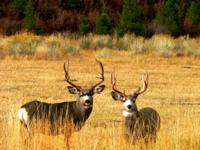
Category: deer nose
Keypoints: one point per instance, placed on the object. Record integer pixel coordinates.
(129, 106)
(87, 101)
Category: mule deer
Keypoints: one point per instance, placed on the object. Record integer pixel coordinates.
(62, 118)
(139, 124)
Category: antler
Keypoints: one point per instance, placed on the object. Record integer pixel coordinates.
(101, 74)
(145, 85)
(113, 82)
(67, 77)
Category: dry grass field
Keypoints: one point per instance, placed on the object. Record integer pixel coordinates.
(174, 91)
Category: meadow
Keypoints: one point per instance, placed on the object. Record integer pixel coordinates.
(173, 91)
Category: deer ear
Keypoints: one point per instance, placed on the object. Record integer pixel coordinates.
(73, 90)
(117, 96)
(99, 89)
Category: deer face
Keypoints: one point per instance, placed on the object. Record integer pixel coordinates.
(129, 101)
(85, 94)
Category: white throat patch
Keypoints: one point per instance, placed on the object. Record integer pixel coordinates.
(127, 114)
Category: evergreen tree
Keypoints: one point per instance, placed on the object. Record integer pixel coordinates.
(131, 18)
(194, 12)
(103, 22)
(84, 25)
(30, 20)
(72, 3)
(19, 6)
(171, 16)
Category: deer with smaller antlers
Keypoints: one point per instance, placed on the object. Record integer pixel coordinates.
(139, 124)
(65, 117)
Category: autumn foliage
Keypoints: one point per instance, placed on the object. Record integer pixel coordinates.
(46, 17)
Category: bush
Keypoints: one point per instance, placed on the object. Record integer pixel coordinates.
(85, 44)
(84, 25)
(72, 3)
(103, 23)
(30, 20)
(121, 45)
(67, 48)
(131, 19)
(194, 12)
(170, 16)
(104, 42)
(19, 6)
(104, 53)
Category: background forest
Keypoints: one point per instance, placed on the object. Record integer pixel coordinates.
(116, 17)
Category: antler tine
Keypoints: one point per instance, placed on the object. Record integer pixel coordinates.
(113, 82)
(145, 85)
(101, 73)
(67, 77)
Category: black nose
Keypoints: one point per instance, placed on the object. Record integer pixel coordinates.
(87, 101)
(129, 106)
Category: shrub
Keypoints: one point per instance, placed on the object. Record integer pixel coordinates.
(67, 48)
(85, 44)
(170, 16)
(104, 42)
(30, 20)
(72, 3)
(121, 44)
(194, 12)
(131, 18)
(19, 6)
(104, 53)
(84, 25)
(103, 23)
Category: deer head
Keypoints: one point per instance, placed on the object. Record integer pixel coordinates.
(129, 101)
(85, 94)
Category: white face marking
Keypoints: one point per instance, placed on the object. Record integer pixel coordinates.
(23, 115)
(127, 103)
(85, 97)
(127, 114)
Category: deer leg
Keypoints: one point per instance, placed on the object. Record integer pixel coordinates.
(23, 132)
(66, 140)
(153, 138)
(25, 135)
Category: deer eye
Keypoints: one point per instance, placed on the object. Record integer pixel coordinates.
(123, 99)
(134, 100)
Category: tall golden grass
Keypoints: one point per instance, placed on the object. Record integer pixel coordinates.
(30, 46)
(173, 92)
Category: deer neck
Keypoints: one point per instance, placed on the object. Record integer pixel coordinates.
(85, 112)
(130, 120)
(128, 114)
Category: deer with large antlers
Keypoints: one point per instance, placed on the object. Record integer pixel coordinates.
(140, 124)
(62, 118)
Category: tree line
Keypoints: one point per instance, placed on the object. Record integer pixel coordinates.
(141, 17)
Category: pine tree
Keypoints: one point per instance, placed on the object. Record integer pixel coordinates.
(30, 20)
(84, 25)
(72, 3)
(19, 6)
(171, 16)
(194, 12)
(103, 22)
(131, 18)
